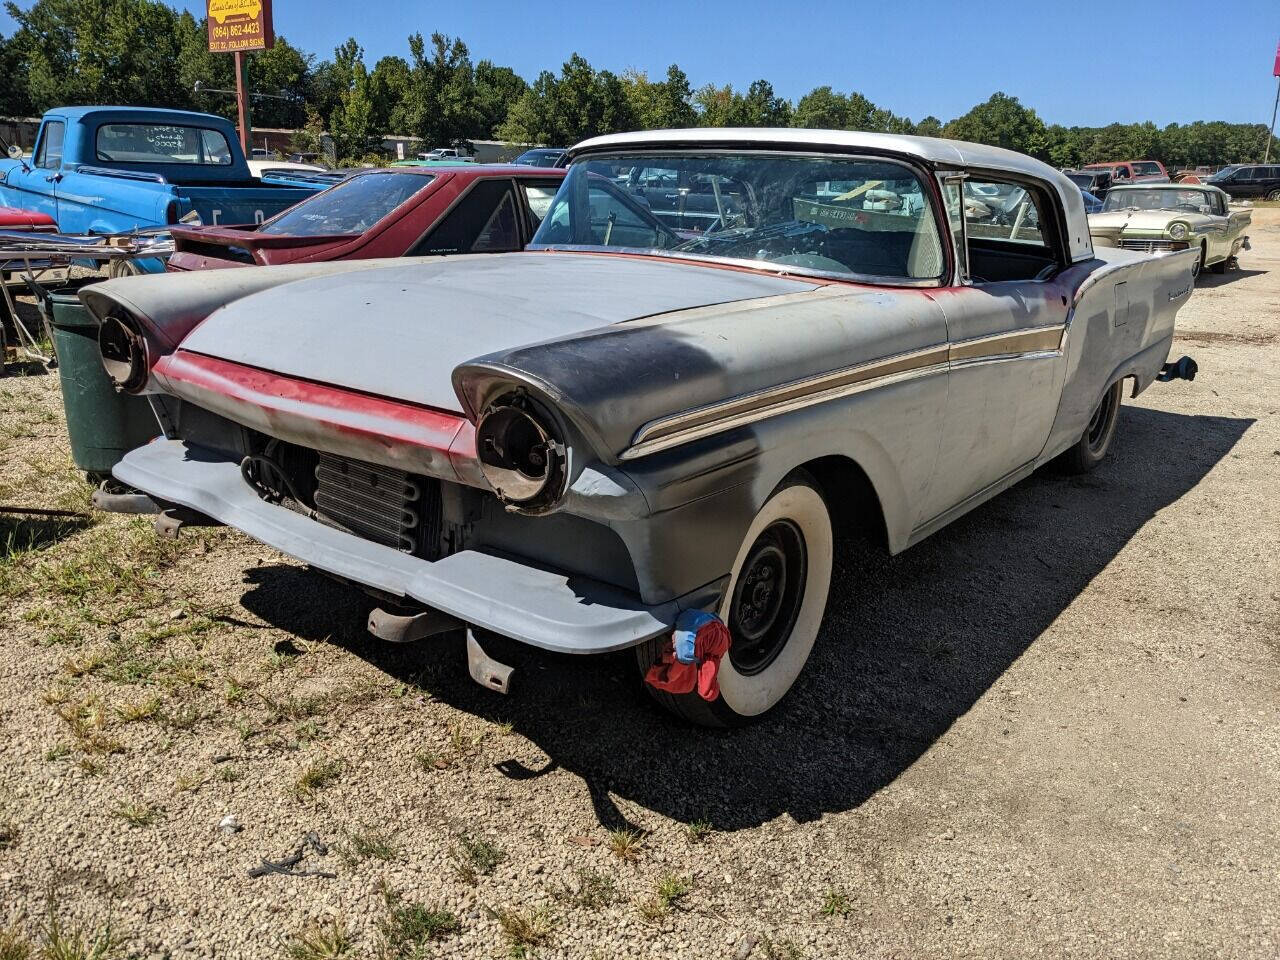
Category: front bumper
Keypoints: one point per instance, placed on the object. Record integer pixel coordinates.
(564, 613)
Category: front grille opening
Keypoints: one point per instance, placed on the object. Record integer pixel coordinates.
(381, 504)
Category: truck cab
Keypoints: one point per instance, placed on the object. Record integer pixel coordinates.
(115, 169)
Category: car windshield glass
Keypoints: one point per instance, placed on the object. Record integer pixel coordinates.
(808, 214)
(1146, 168)
(1168, 198)
(161, 143)
(1082, 180)
(352, 206)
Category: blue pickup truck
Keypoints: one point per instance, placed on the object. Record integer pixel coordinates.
(115, 169)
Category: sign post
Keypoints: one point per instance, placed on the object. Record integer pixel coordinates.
(1271, 130)
(234, 27)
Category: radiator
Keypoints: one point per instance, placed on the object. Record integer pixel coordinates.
(381, 504)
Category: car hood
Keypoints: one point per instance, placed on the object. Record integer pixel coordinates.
(398, 331)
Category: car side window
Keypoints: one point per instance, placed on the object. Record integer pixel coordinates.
(538, 196)
(483, 221)
(49, 155)
(1002, 211)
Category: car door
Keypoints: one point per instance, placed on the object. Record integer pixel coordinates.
(1005, 327)
(38, 183)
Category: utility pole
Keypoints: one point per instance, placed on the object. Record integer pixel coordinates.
(242, 103)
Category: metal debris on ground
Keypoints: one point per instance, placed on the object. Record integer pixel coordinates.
(310, 841)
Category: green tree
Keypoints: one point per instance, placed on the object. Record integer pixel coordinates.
(389, 85)
(1002, 122)
(930, 126)
(822, 109)
(497, 89)
(661, 105)
(581, 102)
(14, 101)
(351, 123)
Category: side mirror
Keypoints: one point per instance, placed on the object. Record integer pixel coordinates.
(14, 151)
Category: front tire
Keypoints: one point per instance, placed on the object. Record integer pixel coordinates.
(1274, 196)
(1199, 264)
(773, 607)
(1091, 449)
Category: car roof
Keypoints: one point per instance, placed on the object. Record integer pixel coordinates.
(932, 150)
(471, 170)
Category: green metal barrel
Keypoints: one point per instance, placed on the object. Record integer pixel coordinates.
(104, 425)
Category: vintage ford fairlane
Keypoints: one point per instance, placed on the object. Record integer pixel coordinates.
(1180, 216)
(720, 345)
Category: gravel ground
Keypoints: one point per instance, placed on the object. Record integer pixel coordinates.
(1052, 729)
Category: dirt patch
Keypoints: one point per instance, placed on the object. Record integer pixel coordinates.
(1051, 729)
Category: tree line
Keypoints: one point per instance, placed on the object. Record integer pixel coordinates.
(145, 53)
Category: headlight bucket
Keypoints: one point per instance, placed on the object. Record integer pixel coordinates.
(1178, 231)
(125, 355)
(520, 454)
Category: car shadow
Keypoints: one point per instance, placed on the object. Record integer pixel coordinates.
(909, 644)
(1208, 279)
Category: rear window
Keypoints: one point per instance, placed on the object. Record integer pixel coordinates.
(352, 206)
(161, 143)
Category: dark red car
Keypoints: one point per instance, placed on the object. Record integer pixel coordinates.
(393, 212)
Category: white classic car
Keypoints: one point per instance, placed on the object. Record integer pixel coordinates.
(720, 345)
(1155, 217)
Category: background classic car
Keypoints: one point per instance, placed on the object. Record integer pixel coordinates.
(412, 211)
(1159, 217)
(571, 445)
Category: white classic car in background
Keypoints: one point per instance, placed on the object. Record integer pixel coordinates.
(1158, 217)
(720, 345)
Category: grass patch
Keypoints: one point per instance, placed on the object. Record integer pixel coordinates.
(14, 946)
(139, 710)
(137, 815)
(319, 775)
(328, 940)
(626, 844)
(474, 857)
(523, 929)
(835, 904)
(698, 830)
(368, 844)
(670, 892)
(62, 943)
(407, 928)
(593, 890)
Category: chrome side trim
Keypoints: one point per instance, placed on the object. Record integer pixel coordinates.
(677, 429)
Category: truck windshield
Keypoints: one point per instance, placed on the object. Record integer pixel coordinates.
(352, 206)
(821, 215)
(161, 143)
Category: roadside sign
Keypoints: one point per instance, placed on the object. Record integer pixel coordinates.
(236, 25)
(1276, 71)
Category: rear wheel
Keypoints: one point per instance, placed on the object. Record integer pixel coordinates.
(1092, 447)
(1274, 196)
(122, 268)
(774, 605)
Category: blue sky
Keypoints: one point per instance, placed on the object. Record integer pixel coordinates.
(1179, 60)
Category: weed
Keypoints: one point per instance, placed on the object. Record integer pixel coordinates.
(669, 892)
(141, 710)
(698, 830)
(229, 774)
(474, 857)
(368, 844)
(835, 904)
(57, 752)
(428, 761)
(233, 691)
(320, 941)
(13, 945)
(523, 929)
(317, 776)
(594, 890)
(136, 815)
(782, 949)
(626, 844)
(189, 782)
(63, 944)
(409, 927)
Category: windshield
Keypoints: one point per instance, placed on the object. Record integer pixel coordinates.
(161, 143)
(352, 206)
(1145, 168)
(1082, 180)
(810, 214)
(1166, 198)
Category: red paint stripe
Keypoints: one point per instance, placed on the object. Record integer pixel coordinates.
(443, 435)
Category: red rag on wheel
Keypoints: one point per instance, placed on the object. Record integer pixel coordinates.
(675, 674)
